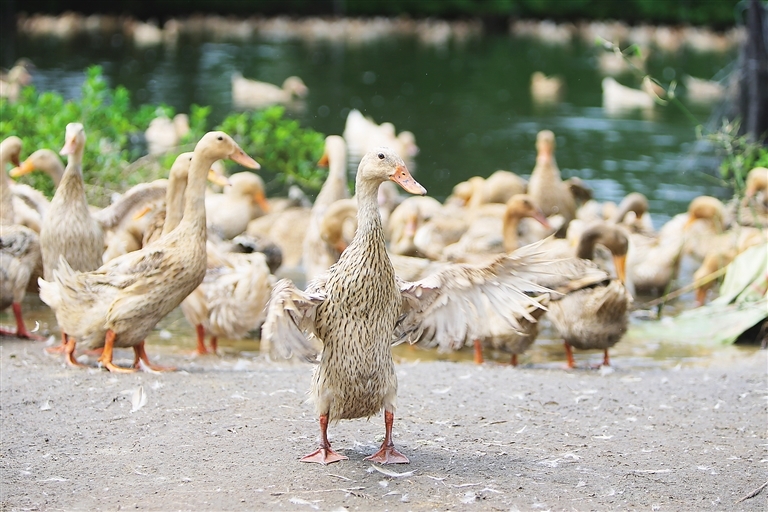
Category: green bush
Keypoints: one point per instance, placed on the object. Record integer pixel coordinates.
(285, 151)
(114, 159)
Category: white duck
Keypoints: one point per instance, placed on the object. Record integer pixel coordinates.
(248, 93)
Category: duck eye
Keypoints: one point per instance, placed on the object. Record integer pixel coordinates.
(381, 156)
(220, 137)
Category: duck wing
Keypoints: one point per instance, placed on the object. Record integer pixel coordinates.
(290, 325)
(457, 303)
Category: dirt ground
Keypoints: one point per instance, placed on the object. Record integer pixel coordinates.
(226, 433)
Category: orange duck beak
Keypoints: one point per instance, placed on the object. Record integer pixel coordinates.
(403, 178)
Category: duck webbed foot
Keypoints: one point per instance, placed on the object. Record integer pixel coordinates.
(141, 357)
(106, 355)
(21, 328)
(324, 455)
(388, 454)
(69, 352)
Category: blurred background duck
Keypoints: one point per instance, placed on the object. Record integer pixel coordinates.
(318, 255)
(249, 93)
(545, 89)
(545, 185)
(243, 200)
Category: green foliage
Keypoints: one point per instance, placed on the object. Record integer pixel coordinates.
(40, 119)
(284, 150)
(113, 159)
(740, 154)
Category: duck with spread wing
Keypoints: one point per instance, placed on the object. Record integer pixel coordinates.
(359, 308)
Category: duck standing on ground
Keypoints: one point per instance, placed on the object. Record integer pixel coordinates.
(120, 303)
(19, 245)
(594, 314)
(359, 308)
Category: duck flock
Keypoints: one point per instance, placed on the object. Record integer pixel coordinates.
(339, 280)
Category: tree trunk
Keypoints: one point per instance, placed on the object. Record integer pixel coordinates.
(754, 75)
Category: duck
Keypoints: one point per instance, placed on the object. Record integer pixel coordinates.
(248, 93)
(752, 209)
(287, 229)
(69, 230)
(405, 220)
(546, 187)
(618, 98)
(19, 246)
(317, 254)
(594, 314)
(230, 301)
(546, 89)
(119, 303)
(494, 234)
(632, 213)
(164, 134)
(362, 133)
(12, 82)
(230, 211)
(45, 160)
(702, 91)
(339, 224)
(30, 204)
(359, 307)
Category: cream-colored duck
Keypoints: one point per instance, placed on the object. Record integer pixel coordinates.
(164, 134)
(545, 185)
(405, 220)
(490, 235)
(30, 203)
(496, 188)
(632, 213)
(248, 93)
(19, 245)
(287, 229)
(359, 307)
(546, 90)
(702, 91)
(120, 303)
(12, 82)
(317, 254)
(230, 211)
(230, 301)
(752, 210)
(45, 160)
(618, 98)
(594, 315)
(69, 230)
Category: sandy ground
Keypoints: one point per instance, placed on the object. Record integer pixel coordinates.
(226, 433)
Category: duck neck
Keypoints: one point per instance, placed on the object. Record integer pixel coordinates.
(586, 248)
(71, 189)
(545, 160)
(174, 203)
(6, 196)
(368, 215)
(511, 223)
(193, 220)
